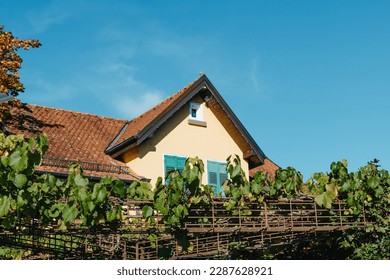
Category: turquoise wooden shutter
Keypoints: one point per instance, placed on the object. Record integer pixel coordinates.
(223, 175)
(212, 170)
(169, 164)
(216, 175)
(180, 163)
(174, 163)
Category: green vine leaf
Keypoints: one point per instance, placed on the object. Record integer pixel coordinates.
(147, 211)
(325, 199)
(18, 161)
(101, 195)
(119, 188)
(80, 181)
(69, 214)
(19, 180)
(112, 215)
(4, 206)
(373, 182)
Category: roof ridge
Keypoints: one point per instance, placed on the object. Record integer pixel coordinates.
(77, 112)
(173, 95)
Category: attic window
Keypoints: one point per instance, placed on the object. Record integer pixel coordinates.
(196, 111)
(196, 114)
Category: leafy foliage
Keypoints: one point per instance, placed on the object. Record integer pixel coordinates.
(27, 198)
(21, 192)
(174, 198)
(10, 64)
(287, 184)
(366, 190)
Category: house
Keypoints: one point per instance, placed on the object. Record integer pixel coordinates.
(195, 121)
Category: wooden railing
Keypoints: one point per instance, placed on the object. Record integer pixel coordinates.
(209, 230)
(270, 216)
(273, 216)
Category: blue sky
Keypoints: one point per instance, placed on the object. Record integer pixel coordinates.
(310, 80)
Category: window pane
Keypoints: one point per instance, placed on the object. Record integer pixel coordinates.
(196, 111)
(213, 178)
(193, 113)
(223, 178)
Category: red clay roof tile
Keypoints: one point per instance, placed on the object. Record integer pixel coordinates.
(139, 123)
(73, 136)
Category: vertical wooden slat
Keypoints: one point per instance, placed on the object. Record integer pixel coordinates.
(124, 254)
(218, 242)
(213, 213)
(239, 217)
(197, 246)
(315, 213)
(157, 248)
(340, 215)
(364, 217)
(291, 215)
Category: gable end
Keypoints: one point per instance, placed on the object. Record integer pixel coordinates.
(202, 86)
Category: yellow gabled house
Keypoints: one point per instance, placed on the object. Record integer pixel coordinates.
(196, 121)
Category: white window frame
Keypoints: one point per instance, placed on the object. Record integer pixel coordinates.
(199, 111)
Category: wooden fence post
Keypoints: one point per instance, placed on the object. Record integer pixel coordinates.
(341, 219)
(213, 214)
(291, 215)
(137, 250)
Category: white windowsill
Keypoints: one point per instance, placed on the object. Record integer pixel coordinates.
(197, 122)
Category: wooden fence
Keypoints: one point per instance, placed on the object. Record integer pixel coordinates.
(211, 232)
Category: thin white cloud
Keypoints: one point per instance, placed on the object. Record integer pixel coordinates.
(117, 61)
(56, 12)
(256, 79)
(113, 79)
(45, 91)
(112, 72)
(132, 106)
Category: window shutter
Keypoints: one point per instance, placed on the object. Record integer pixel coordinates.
(213, 179)
(212, 170)
(169, 163)
(223, 177)
(174, 163)
(180, 163)
(216, 175)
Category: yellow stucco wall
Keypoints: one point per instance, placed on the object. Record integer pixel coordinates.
(178, 137)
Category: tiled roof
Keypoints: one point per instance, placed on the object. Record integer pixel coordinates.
(73, 137)
(137, 124)
(86, 138)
